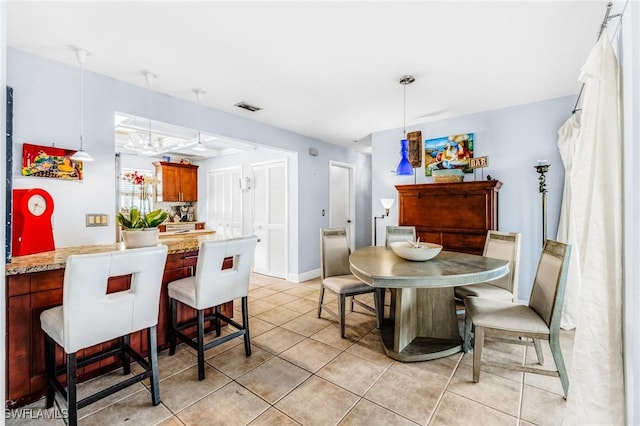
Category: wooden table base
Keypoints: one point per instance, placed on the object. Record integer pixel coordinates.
(422, 326)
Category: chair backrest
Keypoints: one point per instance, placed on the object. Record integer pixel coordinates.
(505, 246)
(400, 233)
(547, 295)
(334, 253)
(215, 285)
(92, 316)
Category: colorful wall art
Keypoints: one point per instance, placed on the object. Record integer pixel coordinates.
(448, 152)
(50, 162)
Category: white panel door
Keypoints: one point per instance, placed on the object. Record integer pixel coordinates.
(269, 188)
(224, 202)
(341, 199)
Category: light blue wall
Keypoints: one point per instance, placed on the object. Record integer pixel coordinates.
(47, 109)
(514, 139)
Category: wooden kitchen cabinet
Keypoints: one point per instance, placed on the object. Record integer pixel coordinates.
(455, 215)
(176, 182)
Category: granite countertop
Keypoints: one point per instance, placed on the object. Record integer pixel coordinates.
(185, 233)
(57, 259)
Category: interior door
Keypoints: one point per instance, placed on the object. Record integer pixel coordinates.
(224, 202)
(270, 200)
(342, 199)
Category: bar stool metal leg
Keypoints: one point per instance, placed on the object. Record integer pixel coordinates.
(200, 327)
(154, 384)
(126, 360)
(245, 323)
(50, 368)
(174, 326)
(217, 320)
(72, 397)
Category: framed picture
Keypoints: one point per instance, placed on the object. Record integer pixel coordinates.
(415, 148)
(50, 162)
(448, 152)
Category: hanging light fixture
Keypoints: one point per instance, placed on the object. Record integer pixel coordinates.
(146, 142)
(199, 94)
(81, 154)
(404, 167)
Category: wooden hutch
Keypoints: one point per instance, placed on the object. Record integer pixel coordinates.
(455, 215)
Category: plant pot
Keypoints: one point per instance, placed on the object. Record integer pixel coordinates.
(136, 238)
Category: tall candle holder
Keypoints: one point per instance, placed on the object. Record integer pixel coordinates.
(542, 167)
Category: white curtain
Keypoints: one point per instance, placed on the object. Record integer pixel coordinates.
(568, 142)
(596, 394)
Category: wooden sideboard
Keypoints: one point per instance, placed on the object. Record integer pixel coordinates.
(29, 294)
(455, 215)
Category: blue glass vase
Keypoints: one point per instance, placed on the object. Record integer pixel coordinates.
(404, 168)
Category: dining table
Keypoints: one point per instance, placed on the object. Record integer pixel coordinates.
(422, 322)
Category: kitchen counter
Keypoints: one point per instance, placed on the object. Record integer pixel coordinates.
(185, 233)
(57, 259)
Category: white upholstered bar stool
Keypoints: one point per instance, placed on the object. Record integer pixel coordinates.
(211, 287)
(89, 316)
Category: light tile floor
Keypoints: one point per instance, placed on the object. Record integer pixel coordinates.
(302, 372)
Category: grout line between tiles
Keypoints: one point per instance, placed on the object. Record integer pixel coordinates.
(444, 390)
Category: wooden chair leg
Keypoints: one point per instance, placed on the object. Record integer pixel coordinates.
(477, 352)
(554, 343)
(245, 324)
(72, 396)
(154, 381)
(341, 303)
(320, 300)
(50, 369)
(200, 328)
(539, 354)
(379, 301)
(126, 359)
(174, 326)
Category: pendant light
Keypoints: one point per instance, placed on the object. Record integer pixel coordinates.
(147, 145)
(404, 167)
(199, 94)
(81, 154)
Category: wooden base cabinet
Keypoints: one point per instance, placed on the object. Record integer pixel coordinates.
(30, 294)
(455, 215)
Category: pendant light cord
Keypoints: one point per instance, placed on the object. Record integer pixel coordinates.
(404, 111)
(81, 106)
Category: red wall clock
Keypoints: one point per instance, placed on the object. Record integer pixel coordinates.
(31, 222)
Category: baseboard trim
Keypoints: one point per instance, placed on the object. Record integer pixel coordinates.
(305, 276)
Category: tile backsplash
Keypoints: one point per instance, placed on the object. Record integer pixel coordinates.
(179, 212)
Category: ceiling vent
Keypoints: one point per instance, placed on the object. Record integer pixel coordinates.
(248, 107)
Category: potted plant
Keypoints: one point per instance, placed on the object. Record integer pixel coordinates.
(140, 230)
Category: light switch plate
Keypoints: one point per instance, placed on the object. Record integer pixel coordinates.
(97, 219)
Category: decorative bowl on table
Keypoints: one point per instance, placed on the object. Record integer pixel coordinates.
(416, 252)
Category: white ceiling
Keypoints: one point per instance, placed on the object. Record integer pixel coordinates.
(328, 70)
